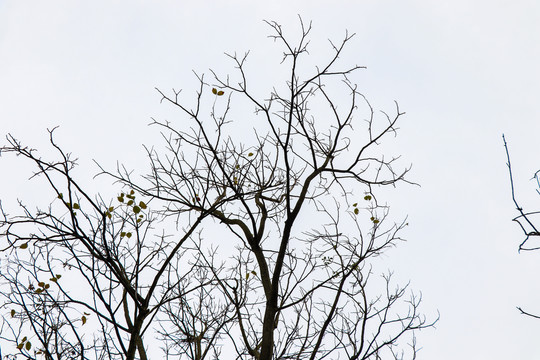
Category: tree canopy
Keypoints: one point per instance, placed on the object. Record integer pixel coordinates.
(253, 235)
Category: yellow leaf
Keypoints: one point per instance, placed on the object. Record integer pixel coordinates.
(128, 235)
(20, 346)
(250, 154)
(219, 93)
(76, 206)
(28, 345)
(12, 312)
(356, 211)
(136, 209)
(214, 91)
(41, 284)
(83, 318)
(24, 246)
(142, 205)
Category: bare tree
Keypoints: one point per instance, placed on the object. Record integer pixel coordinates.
(525, 219)
(252, 236)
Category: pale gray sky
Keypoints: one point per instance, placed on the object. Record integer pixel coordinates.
(465, 71)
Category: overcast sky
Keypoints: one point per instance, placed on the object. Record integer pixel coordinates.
(465, 71)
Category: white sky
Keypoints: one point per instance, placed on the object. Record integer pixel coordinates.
(465, 71)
